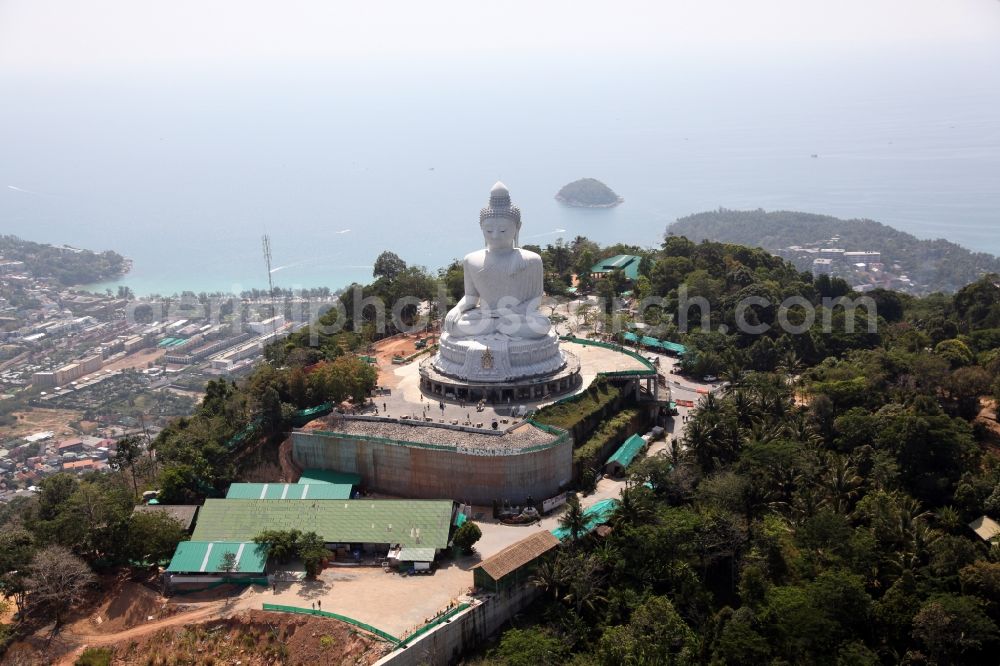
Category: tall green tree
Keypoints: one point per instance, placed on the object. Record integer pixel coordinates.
(573, 520)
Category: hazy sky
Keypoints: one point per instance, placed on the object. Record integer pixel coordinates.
(136, 120)
(97, 36)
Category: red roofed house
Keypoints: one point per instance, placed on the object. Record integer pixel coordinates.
(67, 445)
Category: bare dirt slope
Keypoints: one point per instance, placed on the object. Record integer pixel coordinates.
(248, 638)
(255, 638)
(402, 345)
(988, 420)
(139, 360)
(40, 420)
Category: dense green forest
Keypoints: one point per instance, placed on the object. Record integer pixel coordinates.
(940, 264)
(815, 512)
(68, 266)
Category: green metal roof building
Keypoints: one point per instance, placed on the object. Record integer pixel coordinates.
(628, 263)
(624, 456)
(409, 523)
(290, 491)
(206, 557)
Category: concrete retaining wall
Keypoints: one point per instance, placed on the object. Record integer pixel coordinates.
(425, 473)
(445, 643)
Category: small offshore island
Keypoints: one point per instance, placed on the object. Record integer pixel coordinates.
(588, 193)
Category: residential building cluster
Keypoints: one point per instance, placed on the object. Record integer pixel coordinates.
(25, 461)
(109, 363)
(864, 270)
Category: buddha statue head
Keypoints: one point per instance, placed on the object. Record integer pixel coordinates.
(500, 221)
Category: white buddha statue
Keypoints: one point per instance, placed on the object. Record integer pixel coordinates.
(503, 283)
(495, 333)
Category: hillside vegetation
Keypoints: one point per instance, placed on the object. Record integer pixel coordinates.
(940, 264)
(809, 516)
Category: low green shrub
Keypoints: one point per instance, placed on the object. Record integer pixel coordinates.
(610, 433)
(99, 656)
(569, 413)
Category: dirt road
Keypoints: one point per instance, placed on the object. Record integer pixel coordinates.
(78, 642)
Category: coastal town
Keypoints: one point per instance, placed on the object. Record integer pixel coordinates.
(80, 369)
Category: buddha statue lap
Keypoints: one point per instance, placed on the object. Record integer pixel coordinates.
(495, 331)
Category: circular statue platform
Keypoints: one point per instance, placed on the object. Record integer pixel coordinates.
(536, 388)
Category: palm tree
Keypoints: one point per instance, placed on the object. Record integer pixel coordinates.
(583, 584)
(798, 428)
(675, 452)
(949, 519)
(606, 554)
(574, 521)
(709, 405)
(762, 432)
(789, 364)
(548, 576)
(698, 440)
(841, 483)
(743, 405)
(772, 402)
(907, 514)
(633, 507)
(732, 371)
(806, 503)
(915, 550)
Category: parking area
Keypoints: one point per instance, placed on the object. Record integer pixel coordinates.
(391, 602)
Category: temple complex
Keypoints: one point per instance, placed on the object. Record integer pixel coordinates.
(495, 344)
(459, 424)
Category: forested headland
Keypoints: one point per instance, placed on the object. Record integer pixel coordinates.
(67, 266)
(939, 264)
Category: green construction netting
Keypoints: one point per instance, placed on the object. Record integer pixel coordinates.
(596, 515)
(306, 415)
(443, 617)
(656, 343)
(627, 452)
(342, 618)
(651, 342)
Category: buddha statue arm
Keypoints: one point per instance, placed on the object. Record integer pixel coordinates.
(469, 301)
(536, 285)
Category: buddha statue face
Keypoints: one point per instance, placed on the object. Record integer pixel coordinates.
(500, 233)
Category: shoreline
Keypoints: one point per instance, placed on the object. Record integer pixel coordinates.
(561, 199)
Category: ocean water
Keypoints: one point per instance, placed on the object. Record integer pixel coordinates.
(184, 173)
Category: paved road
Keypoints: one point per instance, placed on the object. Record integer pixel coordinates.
(497, 536)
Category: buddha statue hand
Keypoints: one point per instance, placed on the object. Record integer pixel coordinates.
(513, 319)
